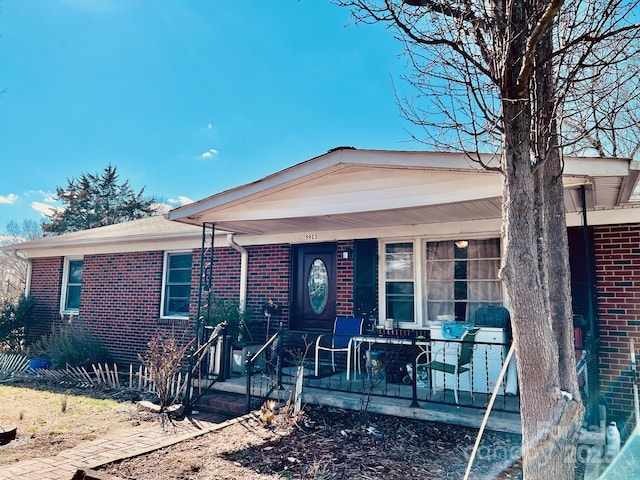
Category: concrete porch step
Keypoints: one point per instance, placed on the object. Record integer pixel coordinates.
(223, 403)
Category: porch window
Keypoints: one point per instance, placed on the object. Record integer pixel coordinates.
(461, 276)
(71, 284)
(177, 285)
(399, 282)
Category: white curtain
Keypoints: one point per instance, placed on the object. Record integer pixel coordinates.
(479, 269)
(483, 285)
(439, 282)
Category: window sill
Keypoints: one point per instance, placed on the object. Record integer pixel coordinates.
(173, 320)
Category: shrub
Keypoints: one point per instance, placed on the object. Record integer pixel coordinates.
(227, 310)
(163, 359)
(15, 316)
(72, 346)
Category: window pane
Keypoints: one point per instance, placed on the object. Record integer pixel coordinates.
(179, 260)
(177, 284)
(400, 288)
(318, 286)
(180, 276)
(400, 309)
(73, 298)
(399, 261)
(75, 271)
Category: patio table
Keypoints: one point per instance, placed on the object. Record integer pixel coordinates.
(356, 342)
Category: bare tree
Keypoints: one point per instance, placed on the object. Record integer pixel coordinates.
(499, 76)
(605, 121)
(13, 267)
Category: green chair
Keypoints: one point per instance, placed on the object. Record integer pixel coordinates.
(463, 365)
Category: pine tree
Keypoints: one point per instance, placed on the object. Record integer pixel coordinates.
(96, 200)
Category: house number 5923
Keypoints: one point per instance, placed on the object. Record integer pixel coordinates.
(310, 236)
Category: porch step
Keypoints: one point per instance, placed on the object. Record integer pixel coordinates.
(223, 403)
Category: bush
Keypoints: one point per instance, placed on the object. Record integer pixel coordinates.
(227, 310)
(72, 346)
(163, 359)
(14, 318)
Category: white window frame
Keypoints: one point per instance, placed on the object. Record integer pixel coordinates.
(468, 281)
(65, 285)
(165, 273)
(382, 281)
(419, 274)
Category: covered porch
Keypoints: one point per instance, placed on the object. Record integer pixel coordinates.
(281, 370)
(399, 208)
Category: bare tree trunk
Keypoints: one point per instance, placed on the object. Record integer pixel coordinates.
(536, 275)
(536, 351)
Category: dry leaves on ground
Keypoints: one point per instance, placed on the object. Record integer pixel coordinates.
(327, 444)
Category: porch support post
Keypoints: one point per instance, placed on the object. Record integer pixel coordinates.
(280, 351)
(205, 280)
(593, 340)
(414, 363)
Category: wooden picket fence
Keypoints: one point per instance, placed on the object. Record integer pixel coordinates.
(13, 363)
(99, 375)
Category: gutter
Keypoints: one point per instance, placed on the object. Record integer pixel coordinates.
(244, 269)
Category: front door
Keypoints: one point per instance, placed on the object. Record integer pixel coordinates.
(314, 286)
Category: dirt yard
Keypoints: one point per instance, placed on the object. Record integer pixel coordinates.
(328, 444)
(50, 421)
(320, 444)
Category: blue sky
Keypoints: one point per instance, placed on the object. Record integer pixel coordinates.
(186, 98)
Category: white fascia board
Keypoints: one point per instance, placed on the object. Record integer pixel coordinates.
(299, 208)
(442, 231)
(149, 244)
(616, 216)
(596, 166)
(630, 190)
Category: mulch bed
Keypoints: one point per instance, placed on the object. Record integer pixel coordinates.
(327, 443)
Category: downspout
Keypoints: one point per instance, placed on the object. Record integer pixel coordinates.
(27, 280)
(593, 342)
(244, 270)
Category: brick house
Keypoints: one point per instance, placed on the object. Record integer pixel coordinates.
(377, 233)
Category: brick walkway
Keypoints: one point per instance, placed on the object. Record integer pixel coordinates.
(127, 443)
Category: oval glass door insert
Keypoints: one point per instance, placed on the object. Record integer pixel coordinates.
(318, 285)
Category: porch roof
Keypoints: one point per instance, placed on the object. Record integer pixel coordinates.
(349, 189)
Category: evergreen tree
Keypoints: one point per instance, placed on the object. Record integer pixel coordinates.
(96, 200)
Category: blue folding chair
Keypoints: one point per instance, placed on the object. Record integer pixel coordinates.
(344, 328)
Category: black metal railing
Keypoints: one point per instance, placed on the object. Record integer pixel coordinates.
(195, 371)
(384, 367)
(266, 364)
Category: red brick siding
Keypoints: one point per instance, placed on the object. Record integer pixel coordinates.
(344, 280)
(46, 287)
(269, 267)
(120, 300)
(121, 293)
(617, 251)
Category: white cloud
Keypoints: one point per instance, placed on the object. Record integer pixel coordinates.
(181, 200)
(8, 199)
(209, 153)
(48, 197)
(165, 206)
(184, 200)
(43, 208)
